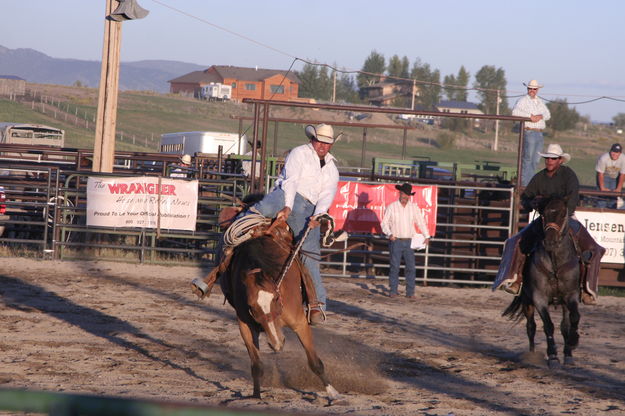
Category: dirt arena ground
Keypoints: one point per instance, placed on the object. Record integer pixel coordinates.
(137, 332)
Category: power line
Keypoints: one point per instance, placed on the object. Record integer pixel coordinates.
(384, 76)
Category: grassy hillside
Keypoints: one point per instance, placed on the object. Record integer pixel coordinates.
(143, 117)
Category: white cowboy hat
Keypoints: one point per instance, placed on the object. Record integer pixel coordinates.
(554, 150)
(186, 159)
(322, 132)
(533, 84)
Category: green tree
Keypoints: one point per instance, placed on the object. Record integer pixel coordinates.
(619, 120)
(463, 80)
(346, 88)
(456, 86)
(308, 80)
(449, 82)
(374, 64)
(428, 83)
(398, 67)
(323, 90)
(490, 79)
(562, 116)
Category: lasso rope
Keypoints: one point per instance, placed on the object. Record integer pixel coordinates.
(241, 229)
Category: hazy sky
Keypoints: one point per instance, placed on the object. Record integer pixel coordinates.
(573, 47)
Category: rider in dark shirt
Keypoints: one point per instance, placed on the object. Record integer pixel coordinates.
(559, 181)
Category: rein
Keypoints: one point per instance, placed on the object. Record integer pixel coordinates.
(289, 261)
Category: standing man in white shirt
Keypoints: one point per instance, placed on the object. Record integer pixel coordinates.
(534, 108)
(304, 190)
(398, 224)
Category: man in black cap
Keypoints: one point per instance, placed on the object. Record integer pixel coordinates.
(610, 170)
(399, 221)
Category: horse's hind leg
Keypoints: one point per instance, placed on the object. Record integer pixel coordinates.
(304, 333)
(569, 329)
(250, 338)
(530, 325)
(552, 352)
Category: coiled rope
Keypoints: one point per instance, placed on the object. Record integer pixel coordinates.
(241, 229)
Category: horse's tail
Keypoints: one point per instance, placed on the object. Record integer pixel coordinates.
(514, 311)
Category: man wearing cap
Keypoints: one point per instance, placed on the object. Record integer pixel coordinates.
(532, 107)
(610, 170)
(558, 181)
(399, 221)
(304, 190)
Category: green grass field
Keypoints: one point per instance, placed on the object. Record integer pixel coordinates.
(143, 117)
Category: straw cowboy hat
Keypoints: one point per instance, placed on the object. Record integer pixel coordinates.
(186, 159)
(554, 150)
(533, 84)
(322, 132)
(405, 188)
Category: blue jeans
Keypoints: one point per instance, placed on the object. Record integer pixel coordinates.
(298, 221)
(608, 201)
(401, 248)
(533, 142)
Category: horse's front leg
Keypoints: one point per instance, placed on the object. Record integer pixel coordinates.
(530, 325)
(552, 352)
(304, 333)
(569, 328)
(250, 338)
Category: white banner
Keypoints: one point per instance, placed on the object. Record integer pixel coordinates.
(608, 229)
(142, 202)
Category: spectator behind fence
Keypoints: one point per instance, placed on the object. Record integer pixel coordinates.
(610, 170)
(182, 169)
(532, 107)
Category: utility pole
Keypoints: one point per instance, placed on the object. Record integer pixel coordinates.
(414, 90)
(497, 123)
(106, 119)
(334, 88)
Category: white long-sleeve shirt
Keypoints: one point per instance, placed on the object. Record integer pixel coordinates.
(399, 220)
(304, 175)
(527, 106)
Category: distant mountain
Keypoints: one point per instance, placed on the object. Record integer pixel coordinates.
(37, 67)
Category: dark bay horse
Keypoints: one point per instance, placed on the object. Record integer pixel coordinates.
(551, 277)
(265, 303)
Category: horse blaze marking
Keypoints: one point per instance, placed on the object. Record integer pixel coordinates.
(264, 300)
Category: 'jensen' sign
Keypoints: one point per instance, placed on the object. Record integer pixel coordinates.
(608, 229)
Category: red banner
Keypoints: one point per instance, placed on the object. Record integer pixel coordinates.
(360, 207)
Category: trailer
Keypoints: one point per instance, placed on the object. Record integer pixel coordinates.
(192, 142)
(215, 91)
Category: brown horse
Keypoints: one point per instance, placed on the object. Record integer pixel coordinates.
(266, 299)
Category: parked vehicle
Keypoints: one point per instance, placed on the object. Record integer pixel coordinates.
(3, 209)
(192, 142)
(216, 91)
(38, 134)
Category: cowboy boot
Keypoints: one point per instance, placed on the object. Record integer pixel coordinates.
(202, 287)
(314, 308)
(591, 257)
(510, 274)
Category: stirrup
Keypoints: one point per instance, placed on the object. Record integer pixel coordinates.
(199, 287)
(315, 307)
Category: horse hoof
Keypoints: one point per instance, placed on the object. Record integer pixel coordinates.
(554, 363)
(569, 361)
(199, 288)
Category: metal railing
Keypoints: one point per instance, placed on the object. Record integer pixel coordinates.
(465, 249)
